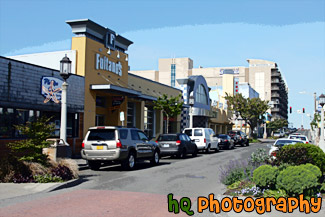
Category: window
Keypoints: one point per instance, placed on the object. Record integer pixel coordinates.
(198, 132)
(100, 120)
(134, 135)
(100, 101)
(173, 75)
(142, 136)
(167, 138)
(131, 115)
(188, 132)
(201, 96)
(104, 134)
(149, 121)
(123, 134)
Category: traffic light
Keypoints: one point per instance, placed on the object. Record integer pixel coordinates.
(290, 109)
(236, 84)
(303, 110)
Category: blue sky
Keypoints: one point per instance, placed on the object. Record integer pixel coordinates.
(212, 33)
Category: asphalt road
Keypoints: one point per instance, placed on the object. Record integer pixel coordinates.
(142, 192)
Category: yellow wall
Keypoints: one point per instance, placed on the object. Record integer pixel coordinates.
(86, 66)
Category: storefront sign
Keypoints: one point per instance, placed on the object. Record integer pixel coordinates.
(104, 64)
(51, 89)
(110, 40)
(117, 100)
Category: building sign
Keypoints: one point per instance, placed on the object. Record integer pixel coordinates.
(51, 89)
(117, 100)
(103, 63)
(229, 71)
(110, 40)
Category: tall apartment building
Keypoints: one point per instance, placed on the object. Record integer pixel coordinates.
(261, 75)
(266, 78)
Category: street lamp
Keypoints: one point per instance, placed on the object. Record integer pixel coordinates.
(322, 103)
(191, 102)
(65, 72)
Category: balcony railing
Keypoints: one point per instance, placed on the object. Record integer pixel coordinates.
(275, 81)
(275, 74)
(275, 88)
(275, 95)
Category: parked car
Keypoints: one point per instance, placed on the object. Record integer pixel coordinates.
(119, 145)
(204, 138)
(303, 138)
(178, 144)
(239, 137)
(225, 142)
(278, 144)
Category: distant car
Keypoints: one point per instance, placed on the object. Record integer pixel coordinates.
(178, 144)
(204, 138)
(106, 144)
(239, 137)
(303, 138)
(278, 144)
(225, 142)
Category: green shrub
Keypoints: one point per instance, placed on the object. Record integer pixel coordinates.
(31, 148)
(301, 154)
(275, 193)
(259, 157)
(235, 171)
(47, 178)
(312, 168)
(297, 180)
(265, 176)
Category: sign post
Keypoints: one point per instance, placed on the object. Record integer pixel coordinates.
(122, 117)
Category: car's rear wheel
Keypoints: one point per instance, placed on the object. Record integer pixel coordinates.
(156, 157)
(94, 165)
(182, 154)
(195, 152)
(208, 149)
(129, 163)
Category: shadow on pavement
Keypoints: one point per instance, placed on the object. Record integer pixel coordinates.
(82, 179)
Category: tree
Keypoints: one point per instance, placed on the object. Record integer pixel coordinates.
(171, 107)
(278, 123)
(250, 110)
(37, 132)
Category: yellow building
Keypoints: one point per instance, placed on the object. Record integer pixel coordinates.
(112, 96)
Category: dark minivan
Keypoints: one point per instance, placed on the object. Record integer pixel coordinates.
(178, 144)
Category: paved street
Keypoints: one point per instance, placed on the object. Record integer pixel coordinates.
(143, 192)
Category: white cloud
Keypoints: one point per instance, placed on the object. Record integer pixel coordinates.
(47, 47)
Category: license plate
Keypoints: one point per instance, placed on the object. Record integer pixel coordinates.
(166, 145)
(197, 140)
(100, 147)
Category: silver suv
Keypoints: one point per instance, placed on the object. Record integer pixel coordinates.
(119, 145)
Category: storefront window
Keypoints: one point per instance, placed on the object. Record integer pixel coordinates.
(149, 121)
(100, 101)
(131, 115)
(7, 122)
(201, 96)
(100, 120)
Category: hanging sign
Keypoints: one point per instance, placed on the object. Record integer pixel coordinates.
(51, 89)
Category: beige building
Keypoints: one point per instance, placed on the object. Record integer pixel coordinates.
(261, 75)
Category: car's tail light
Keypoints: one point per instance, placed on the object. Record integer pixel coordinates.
(226, 140)
(118, 144)
(273, 154)
(178, 142)
(156, 141)
(306, 142)
(100, 127)
(205, 140)
(83, 145)
(240, 137)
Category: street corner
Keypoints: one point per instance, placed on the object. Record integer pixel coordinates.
(94, 203)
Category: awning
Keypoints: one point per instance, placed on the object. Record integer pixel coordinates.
(110, 88)
(114, 89)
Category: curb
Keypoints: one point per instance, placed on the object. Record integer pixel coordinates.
(63, 185)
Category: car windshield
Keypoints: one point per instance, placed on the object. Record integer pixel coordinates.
(102, 134)
(281, 143)
(223, 136)
(167, 138)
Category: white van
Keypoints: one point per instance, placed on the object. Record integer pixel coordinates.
(204, 138)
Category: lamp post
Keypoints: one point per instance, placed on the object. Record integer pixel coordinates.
(65, 72)
(321, 141)
(191, 102)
